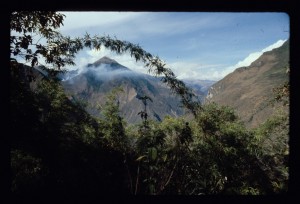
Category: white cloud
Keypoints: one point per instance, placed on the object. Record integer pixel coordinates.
(248, 60)
(90, 56)
(190, 70)
(254, 56)
(273, 46)
(185, 70)
(182, 69)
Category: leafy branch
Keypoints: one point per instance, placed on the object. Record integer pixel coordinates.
(60, 50)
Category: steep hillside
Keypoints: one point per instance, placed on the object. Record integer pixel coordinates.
(200, 87)
(99, 78)
(249, 89)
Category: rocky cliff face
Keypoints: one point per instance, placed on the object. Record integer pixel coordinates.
(249, 89)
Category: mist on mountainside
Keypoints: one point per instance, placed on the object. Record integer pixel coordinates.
(94, 81)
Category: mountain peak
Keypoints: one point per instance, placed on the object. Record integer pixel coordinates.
(105, 60)
(109, 63)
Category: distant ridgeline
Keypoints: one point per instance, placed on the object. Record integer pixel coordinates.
(96, 80)
(249, 90)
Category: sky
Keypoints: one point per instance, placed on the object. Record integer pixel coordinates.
(195, 45)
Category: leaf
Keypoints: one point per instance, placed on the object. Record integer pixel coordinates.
(153, 153)
(140, 158)
(151, 188)
(165, 157)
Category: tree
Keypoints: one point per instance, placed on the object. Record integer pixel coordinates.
(212, 116)
(113, 128)
(57, 51)
(25, 26)
(143, 113)
(282, 92)
(273, 137)
(213, 153)
(186, 135)
(60, 50)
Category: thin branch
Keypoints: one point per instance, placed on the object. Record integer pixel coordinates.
(128, 174)
(169, 178)
(137, 179)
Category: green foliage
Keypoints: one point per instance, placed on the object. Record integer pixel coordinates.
(43, 24)
(28, 171)
(55, 145)
(274, 142)
(60, 50)
(170, 157)
(222, 159)
(172, 127)
(113, 123)
(58, 146)
(212, 116)
(282, 93)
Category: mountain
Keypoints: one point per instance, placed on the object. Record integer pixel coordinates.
(199, 86)
(96, 80)
(113, 65)
(249, 89)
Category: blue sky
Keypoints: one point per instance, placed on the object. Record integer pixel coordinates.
(198, 45)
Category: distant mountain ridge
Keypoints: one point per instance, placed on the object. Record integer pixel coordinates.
(249, 89)
(199, 86)
(100, 77)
